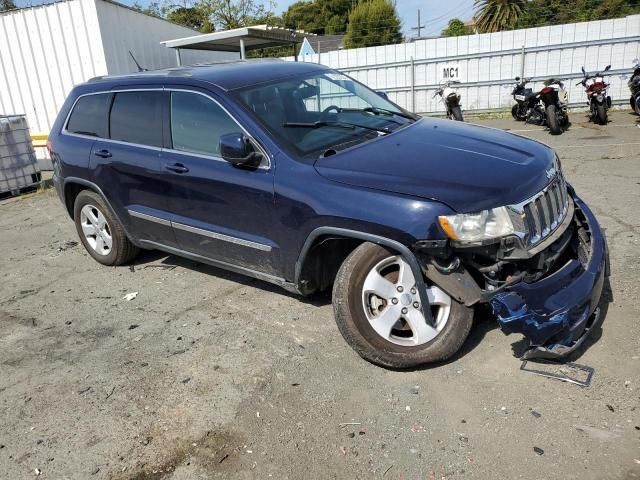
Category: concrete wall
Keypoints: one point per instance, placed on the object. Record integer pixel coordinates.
(487, 63)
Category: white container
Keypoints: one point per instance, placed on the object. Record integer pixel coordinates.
(17, 158)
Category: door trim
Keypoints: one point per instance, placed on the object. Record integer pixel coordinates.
(201, 231)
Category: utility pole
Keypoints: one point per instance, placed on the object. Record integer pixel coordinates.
(419, 27)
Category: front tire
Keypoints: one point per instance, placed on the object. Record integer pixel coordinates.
(515, 113)
(552, 120)
(377, 312)
(100, 231)
(601, 114)
(456, 113)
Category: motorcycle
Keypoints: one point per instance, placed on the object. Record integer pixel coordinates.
(634, 86)
(451, 99)
(555, 100)
(527, 108)
(597, 98)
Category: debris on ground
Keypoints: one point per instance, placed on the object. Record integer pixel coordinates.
(610, 407)
(536, 414)
(130, 296)
(538, 450)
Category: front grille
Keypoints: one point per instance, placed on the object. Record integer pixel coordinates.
(544, 212)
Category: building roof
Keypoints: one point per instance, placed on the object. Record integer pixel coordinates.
(257, 36)
(228, 75)
(325, 43)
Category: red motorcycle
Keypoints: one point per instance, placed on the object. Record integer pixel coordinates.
(597, 98)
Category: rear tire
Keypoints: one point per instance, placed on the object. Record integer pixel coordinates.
(397, 350)
(456, 113)
(100, 231)
(601, 114)
(552, 120)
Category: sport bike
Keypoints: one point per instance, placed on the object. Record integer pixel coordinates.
(597, 98)
(555, 100)
(634, 86)
(527, 108)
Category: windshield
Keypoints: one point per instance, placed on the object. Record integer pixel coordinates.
(321, 113)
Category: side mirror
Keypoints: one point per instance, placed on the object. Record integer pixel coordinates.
(517, 79)
(608, 67)
(583, 71)
(383, 94)
(237, 149)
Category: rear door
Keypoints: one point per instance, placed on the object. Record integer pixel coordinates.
(127, 164)
(221, 212)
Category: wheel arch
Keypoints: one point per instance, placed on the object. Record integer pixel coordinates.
(72, 188)
(321, 234)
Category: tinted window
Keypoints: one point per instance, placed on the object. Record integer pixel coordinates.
(136, 117)
(197, 123)
(89, 116)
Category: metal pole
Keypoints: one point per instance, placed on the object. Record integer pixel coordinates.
(178, 57)
(413, 85)
(318, 50)
(522, 63)
(242, 52)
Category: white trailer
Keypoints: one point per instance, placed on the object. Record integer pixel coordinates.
(45, 50)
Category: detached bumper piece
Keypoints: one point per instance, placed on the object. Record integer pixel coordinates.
(557, 313)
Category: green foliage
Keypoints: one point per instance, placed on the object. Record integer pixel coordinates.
(229, 14)
(496, 15)
(555, 12)
(456, 28)
(153, 9)
(319, 16)
(7, 5)
(373, 22)
(192, 17)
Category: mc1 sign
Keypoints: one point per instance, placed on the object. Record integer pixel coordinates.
(451, 72)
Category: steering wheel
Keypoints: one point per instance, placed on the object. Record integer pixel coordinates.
(325, 112)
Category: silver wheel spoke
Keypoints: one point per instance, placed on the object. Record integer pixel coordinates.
(437, 296)
(376, 283)
(384, 322)
(108, 240)
(99, 244)
(405, 276)
(89, 230)
(422, 332)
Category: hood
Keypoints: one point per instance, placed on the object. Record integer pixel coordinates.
(467, 167)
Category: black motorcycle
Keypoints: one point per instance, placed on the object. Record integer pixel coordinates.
(527, 108)
(634, 86)
(555, 100)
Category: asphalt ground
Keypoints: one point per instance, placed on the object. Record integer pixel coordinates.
(207, 374)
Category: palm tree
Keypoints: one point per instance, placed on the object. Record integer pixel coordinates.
(496, 15)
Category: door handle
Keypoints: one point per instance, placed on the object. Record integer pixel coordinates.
(102, 153)
(177, 168)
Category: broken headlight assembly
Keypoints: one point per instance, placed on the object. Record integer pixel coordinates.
(478, 228)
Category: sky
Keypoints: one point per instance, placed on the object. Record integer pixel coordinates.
(434, 14)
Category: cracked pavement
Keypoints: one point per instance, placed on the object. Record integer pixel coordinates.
(207, 374)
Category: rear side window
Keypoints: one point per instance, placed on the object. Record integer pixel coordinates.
(136, 117)
(197, 123)
(89, 116)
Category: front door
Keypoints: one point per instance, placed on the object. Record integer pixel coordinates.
(219, 211)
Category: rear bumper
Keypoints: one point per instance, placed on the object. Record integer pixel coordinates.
(556, 313)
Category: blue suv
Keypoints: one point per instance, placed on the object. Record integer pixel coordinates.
(298, 175)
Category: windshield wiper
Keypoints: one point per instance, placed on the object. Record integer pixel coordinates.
(379, 111)
(328, 123)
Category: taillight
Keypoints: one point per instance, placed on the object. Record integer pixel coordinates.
(546, 90)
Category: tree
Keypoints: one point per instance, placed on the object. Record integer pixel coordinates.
(456, 28)
(373, 22)
(193, 17)
(555, 12)
(153, 9)
(7, 5)
(229, 14)
(497, 15)
(319, 16)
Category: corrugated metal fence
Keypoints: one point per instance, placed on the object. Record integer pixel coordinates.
(486, 64)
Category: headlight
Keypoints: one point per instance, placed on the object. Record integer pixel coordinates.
(477, 227)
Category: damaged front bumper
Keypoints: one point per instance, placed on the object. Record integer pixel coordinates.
(552, 291)
(556, 313)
